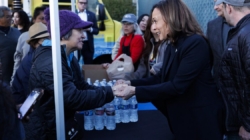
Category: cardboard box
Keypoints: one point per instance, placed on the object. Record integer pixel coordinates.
(95, 72)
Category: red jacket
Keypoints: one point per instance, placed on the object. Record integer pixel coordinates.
(136, 46)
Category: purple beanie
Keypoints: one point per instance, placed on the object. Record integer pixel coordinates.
(68, 21)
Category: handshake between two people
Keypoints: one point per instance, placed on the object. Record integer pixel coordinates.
(123, 89)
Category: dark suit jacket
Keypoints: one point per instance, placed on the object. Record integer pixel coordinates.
(92, 18)
(186, 86)
(215, 39)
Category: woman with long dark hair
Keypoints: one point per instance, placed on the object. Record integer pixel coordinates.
(22, 47)
(184, 86)
(21, 21)
(154, 51)
(152, 55)
(142, 22)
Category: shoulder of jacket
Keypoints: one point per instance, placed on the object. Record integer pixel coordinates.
(138, 37)
(24, 36)
(14, 29)
(192, 37)
(215, 21)
(89, 12)
(191, 40)
(43, 52)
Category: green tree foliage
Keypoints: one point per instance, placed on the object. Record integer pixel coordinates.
(118, 8)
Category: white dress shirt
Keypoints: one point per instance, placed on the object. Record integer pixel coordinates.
(83, 15)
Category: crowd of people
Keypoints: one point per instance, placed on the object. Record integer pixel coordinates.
(198, 82)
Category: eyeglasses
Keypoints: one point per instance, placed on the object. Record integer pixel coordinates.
(83, 3)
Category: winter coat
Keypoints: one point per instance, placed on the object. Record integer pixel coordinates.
(77, 94)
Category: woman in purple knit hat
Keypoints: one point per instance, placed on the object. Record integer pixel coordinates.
(78, 94)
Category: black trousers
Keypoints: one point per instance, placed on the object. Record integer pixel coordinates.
(87, 53)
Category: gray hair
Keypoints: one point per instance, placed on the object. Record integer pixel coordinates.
(68, 35)
(137, 30)
(2, 9)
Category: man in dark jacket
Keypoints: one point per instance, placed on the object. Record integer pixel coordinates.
(234, 70)
(8, 41)
(217, 31)
(87, 51)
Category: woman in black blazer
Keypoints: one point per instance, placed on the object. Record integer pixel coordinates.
(184, 85)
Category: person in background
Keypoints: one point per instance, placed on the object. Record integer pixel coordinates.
(23, 47)
(11, 128)
(152, 55)
(131, 44)
(184, 85)
(142, 22)
(38, 15)
(234, 70)
(88, 49)
(154, 50)
(38, 32)
(21, 21)
(77, 93)
(217, 32)
(8, 42)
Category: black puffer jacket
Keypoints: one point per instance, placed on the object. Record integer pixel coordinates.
(234, 76)
(77, 94)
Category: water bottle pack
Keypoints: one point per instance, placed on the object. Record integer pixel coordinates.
(117, 111)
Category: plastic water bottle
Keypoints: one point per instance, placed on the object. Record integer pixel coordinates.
(117, 106)
(99, 122)
(102, 84)
(104, 81)
(125, 111)
(110, 116)
(104, 115)
(133, 109)
(89, 120)
(110, 83)
(97, 83)
(114, 81)
(89, 81)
